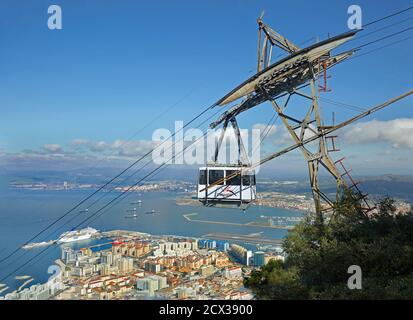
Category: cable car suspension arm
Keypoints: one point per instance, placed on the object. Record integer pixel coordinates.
(318, 135)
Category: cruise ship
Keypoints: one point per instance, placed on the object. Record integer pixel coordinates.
(77, 235)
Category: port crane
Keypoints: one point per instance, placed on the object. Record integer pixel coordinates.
(285, 79)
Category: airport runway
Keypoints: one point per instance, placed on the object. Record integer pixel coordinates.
(248, 224)
(241, 237)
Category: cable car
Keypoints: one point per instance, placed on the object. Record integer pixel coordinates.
(231, 185)
(228, 184)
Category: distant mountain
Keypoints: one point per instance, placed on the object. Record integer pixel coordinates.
(392, 185)
(389, 177)
(387, 184)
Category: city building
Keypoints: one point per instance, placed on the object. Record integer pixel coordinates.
(162, 281)
(207, 244)
(115, 259)
(152, 266)
(125, 265)
(131, 248)
(34, 292)
(172, 268)
(206, 270)
(222, 245)
(68, 255)
(148, 284)
(259, 259)
(241, 254)
(233, 272)
(221, 261)
(273, 257)
(107, 257)
(181, 293)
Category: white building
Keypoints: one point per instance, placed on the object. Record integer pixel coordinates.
(147, 284)
(233, 272)
(125, 265)
(107, 257)
(162, 283)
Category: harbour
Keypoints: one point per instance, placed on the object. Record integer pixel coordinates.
(168, 220)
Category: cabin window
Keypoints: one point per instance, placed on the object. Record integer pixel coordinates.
(246, 180)
(235, 180)
(202, 177)
(216, 177)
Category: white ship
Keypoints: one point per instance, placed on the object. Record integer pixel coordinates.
(77, 235)
(38, 244)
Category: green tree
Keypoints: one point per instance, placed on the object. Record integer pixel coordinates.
(274, 280)
(318, 256)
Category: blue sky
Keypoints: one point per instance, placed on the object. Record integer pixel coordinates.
(115, 65)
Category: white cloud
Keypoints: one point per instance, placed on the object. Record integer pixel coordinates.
(79, 142)
(92, 146)
(52, 148)
(265, 129)
(119, 148)
(79, 152)
(398, 132)
(280, 134)
(133, 148)
(98, 146)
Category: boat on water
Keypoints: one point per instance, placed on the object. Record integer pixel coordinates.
(151, 212)
(132, 216)
(3, 289)
(25, 284)
(38, 244)
(22, 277)
(77, 235)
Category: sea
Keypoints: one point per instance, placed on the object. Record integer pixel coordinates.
(24, 213)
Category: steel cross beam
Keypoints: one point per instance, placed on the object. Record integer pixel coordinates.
(326, 160)
(242, 153)
(271, 39)
(314, 159)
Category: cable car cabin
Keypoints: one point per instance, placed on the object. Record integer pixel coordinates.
(220, 185)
